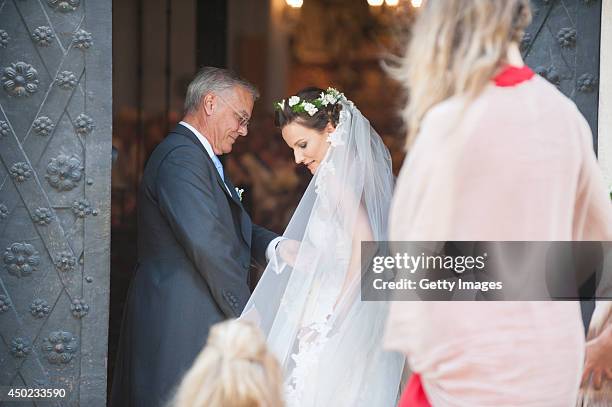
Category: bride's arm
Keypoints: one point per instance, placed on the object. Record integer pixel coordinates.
(361, 232)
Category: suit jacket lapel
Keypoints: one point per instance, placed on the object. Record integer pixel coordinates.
(245, 221)
(189, 134)
(232, 191)
(227, 189)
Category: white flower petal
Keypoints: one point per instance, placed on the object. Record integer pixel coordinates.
(293, 100)
(310, 108)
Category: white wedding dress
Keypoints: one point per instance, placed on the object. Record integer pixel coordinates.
(329, 341)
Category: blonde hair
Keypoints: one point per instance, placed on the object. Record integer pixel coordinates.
(455, 49)
(234, 369)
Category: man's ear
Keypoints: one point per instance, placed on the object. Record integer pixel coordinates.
(208, 103)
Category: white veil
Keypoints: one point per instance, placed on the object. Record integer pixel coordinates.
(327, 340)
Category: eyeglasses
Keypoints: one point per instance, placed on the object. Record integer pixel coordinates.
(243, 120)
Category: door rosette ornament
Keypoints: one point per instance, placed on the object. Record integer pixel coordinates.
(20, 347)
(21, 259)
(79, 308)
(587, 83)
(43, 126)
(4, 129)
(65, 6)
(5, 303)
(4, 39)
(39, 308)
(65, 262)
(64, 172)
(20, 171)
(43, 36)
(81, 208)
(20, 79)
(82, 39)
(66, 80)
(60, 347)
(42, 216)
(83, 124)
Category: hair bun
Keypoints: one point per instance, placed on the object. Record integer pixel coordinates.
(334, 113)
(238, 342)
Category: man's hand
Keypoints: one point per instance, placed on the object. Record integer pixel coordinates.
(598, 360)
(288, 249)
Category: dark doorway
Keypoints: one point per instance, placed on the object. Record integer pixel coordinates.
(157, 48)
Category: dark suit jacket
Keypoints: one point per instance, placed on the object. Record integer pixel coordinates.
(195, 243)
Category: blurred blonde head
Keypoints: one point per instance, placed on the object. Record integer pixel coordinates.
(234, 369)
(455, 49)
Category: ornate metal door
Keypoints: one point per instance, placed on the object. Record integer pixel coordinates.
(562, 45)
(55, 151)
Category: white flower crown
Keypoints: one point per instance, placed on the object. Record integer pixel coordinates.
(330, 97)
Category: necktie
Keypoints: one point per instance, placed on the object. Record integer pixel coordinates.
(219, 168)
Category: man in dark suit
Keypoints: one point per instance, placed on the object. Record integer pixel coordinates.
(195, 243)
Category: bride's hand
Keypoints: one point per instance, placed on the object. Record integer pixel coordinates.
(312, 331)
(288, 249)
(307, 334)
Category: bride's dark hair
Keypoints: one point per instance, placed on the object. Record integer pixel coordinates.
(318, 121)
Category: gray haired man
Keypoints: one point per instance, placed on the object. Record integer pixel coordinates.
(195, 243)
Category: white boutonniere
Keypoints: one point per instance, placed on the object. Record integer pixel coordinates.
(239, 191)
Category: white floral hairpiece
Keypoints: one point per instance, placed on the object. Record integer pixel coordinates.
(298, 105)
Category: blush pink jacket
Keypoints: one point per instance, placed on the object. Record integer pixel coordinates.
(516, 164)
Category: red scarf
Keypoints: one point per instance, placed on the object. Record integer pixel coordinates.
(414, 395)
(513, 75)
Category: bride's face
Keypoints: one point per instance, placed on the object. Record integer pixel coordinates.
(309, 145)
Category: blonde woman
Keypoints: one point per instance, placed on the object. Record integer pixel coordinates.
(234, 369)
(495, 153)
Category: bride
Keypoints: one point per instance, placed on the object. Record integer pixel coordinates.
(326, 338)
